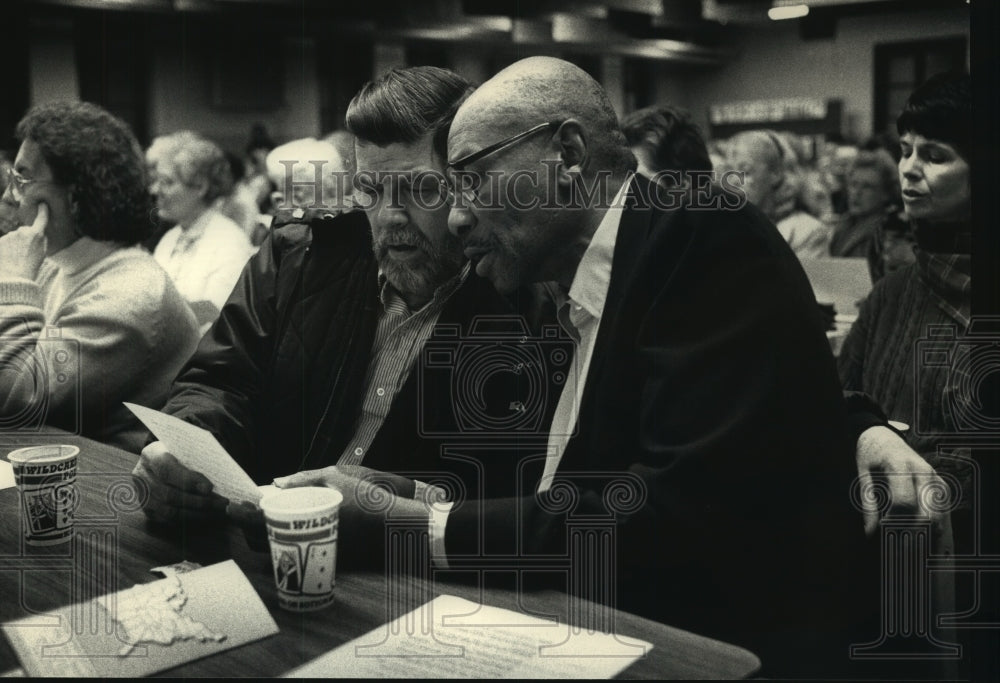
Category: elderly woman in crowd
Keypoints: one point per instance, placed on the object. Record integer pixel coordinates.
(205, 252)
(880, 354)
(772, 181)
(87, 317)
(872, 195)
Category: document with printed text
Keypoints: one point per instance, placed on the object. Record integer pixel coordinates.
(451, 637)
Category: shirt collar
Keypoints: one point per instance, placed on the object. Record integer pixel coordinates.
(80, 255)
(193, 232)
(593, 275)
(391, 299)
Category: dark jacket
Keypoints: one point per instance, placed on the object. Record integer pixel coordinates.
(713, 434)
(279, 378)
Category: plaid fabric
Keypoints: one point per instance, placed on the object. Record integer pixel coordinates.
(948, 276)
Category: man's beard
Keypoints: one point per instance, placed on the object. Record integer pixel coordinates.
(427, 270)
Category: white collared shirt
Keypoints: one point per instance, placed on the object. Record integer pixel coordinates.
(586, 299)
(205, 261)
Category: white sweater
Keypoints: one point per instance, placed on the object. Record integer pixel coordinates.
(101, 324)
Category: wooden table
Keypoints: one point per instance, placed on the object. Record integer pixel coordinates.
(116, 547)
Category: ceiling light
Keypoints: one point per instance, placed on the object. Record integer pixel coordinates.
(788, 12)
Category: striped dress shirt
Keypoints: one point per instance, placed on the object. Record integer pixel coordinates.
(399, 338)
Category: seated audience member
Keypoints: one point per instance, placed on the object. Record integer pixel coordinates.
(834, 160)
(706, 388)
(310, 178)
(316, 358)
(343, 141)
(795, 218)
(771, 183)
(813, 195)
(82, 307)
(872, 195)
(717, 155)
(879, 354)
(204, 252)
(667, 145)
(239, 204)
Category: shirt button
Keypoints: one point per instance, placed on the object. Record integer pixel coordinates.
(380, 391)
(359, 450)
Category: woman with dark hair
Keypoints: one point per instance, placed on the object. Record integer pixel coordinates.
(880, 355)
(116, 329)
(205, 252)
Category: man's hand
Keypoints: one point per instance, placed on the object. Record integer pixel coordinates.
(23, 250)
(883, 455)
(175, 492)
(341, 476)
(368, 509)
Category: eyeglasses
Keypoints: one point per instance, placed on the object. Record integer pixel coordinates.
(417, 189)
(17, 182)
(458, 166)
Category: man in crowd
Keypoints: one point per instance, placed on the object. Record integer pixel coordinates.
(311, 178)
(705, 387)
(667, 145)
(87, 317)
(315, 358)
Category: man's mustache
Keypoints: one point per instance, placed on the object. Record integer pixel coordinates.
(402, 238)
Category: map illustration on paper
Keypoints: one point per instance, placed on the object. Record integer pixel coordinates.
(153, 613)
(149, 628)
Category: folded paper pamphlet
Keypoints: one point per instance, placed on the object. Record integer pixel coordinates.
(145, 629)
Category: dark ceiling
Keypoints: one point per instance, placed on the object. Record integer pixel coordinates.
(692, 32)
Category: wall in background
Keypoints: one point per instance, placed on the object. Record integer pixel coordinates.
(187, 91)
(774, 61)
(52, 65)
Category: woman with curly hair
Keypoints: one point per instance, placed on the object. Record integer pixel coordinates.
(872, 197)
(115, 327)
(206, 251)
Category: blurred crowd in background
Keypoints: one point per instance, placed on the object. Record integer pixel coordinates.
(828, 196)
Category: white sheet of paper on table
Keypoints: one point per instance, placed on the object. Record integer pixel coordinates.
(6, 475)
(205, 611)
(469, 640)
(198, 449)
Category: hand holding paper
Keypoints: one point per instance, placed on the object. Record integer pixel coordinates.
(176, 493)
(199, 451)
